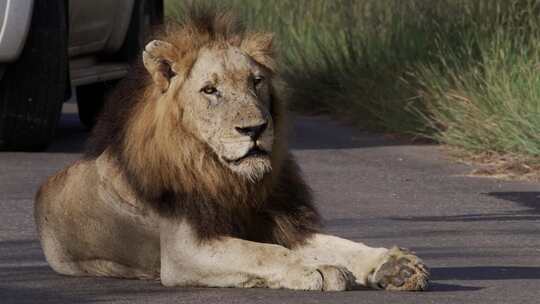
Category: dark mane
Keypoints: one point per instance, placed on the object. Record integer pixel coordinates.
(215, 200)
(110, 127)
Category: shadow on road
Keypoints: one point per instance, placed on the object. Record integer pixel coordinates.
(70, 135)
(529, 200)
(23, 295)
(474, 217)
(440, 287)
(485, 273)
(40, 284)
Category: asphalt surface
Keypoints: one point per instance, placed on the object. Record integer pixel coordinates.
(480, 237)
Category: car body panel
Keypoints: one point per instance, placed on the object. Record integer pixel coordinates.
(88, 69)
(98, 26)
(15, 17)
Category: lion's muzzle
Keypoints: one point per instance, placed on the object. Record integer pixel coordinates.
(253, 131)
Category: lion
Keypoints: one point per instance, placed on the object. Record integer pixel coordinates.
(188, 179)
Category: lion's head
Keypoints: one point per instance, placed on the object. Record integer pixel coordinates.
(224, 96)
(201, 116)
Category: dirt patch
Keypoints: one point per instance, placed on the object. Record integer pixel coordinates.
(494, 165)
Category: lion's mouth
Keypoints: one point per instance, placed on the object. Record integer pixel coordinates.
(252, 153)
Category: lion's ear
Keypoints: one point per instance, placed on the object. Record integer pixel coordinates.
(158, 59)
(260, 47)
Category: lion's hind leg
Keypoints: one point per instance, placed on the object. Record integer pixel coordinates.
(84, 235)
(64, 263)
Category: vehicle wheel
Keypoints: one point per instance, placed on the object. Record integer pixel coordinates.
(147, 14)
(90, 100)
(33, 88)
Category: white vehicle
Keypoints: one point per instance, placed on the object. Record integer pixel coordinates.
(48, 46)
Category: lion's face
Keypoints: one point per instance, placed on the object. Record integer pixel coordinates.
(228, 107)
(224, 101)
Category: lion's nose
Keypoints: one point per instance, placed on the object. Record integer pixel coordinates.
(252, 131)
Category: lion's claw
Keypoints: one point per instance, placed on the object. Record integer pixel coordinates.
(336, 278)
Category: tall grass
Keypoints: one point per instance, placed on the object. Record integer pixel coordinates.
(485, 95)
(463, 72)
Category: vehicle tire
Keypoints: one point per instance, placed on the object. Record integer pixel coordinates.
(90, 101)
(33, 88)
(147, 14)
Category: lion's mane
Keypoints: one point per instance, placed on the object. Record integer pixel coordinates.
(178, 175)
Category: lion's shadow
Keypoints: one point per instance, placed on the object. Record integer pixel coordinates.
(30, 267)
(441, 275)
(478, 273)
(70, 136)
(488, 273)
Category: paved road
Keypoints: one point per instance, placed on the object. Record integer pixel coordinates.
(481, 237)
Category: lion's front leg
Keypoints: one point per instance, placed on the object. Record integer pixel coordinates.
(231, 262)
(390, 269)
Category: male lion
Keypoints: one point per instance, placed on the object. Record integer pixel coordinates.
(188, 179)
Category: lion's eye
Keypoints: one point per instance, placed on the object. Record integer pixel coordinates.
(209, 90)
(257, 80)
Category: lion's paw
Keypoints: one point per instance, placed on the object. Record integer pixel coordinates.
(322, 278)
(336, 278)
(400, 270)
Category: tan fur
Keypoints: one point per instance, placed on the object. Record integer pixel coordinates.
(177, 185)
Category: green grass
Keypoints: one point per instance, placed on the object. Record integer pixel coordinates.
(463, 72)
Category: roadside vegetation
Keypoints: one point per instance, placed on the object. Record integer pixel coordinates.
(463, 73)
